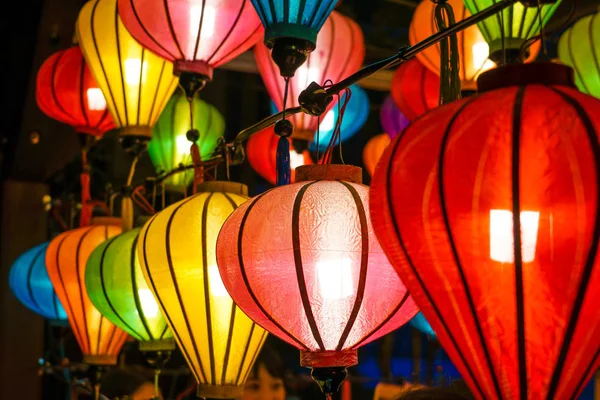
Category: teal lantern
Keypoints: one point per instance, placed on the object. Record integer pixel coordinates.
(420, 323)
(29, 281)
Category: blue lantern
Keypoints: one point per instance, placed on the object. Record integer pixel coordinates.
(420, 322)
(29, 281)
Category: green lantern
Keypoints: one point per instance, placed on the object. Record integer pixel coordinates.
(518, 22)
(579, 48)
(170, 146)
(116, 286)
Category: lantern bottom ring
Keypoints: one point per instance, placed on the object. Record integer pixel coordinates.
(326, 359)
(206, 391)
(99, 359)
(157, 345)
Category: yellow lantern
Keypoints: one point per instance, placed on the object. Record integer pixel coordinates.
(135, 82)
(176, 249)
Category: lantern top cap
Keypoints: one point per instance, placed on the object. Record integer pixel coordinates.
(543, 73)
(223, 187)
(106, 221)
(329, 172)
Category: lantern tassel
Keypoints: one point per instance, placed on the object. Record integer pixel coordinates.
(198, 167)
(284, 172)
(449, 59)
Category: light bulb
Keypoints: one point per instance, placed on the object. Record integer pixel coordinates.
(95, 99)
(502, 235)
(217, 288)
(335, 278)
(481, 52)
(135, 72)
(148, 302)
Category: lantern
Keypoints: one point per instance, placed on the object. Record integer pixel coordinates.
(261, 151)
(420, 323)
(135, 82)
(373, 151)
(488, 209)
(391, 118)
(177, 254)
(67, 92)
(292, 29)
(170, 147)
(117, 288)
(339, 53)
(29, 282)
(197, 35)
(578, 48)
(415, 89)
(519, 23)
(99, 340)
(303, 262)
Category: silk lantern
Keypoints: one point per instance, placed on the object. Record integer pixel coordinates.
(340, 52)
(117, 288)
(99, 340)
(29, 282)
(67, 92)
(303, 261)
(578, 48)
(420, 323)
(197, 35)
(177, 255)
(374, 150)
(415, 89)
(170, 147)
(135, 82)
(511, 27)
(488, 208)
(261, 151)
(391, 118)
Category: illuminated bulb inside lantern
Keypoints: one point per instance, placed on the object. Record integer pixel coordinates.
(182, 148)
(296, 159)
(95, 99)
(335, 278)
(148, 302)
(134, 71)
(501, 235)
(328, 122)
(217, 288)
(481, 52)
(307, 75)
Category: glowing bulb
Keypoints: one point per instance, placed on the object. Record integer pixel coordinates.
(134, 71)
(307, 75)
(296, 159)
(217, 288)
(182, 147)
(335, 278)
(208, 25)
(148, 302)
(95, 99)
(328, 122)
(501, 235)
(481, 52)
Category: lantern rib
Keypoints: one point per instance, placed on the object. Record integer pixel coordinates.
(120, 63)
(162, 306)
(535, 21)
(423, 95)
(171, 29)
(29, 274)
(199, 35)
(141, 25)
(574, 61)
(454, 250)
(225, 57)
(134, 287)
(286, 10)
(586, 376)
(97, 343)
(301, 8)
(110, 343)
(410, 263)
(211, 347)
(364, 264)
(517, 247)
(53, 88)
(273, 13)
(229, 340)
(312, 323)
(593, 252)
(140, 98)
(245, 276)
(151, 113)
(81, 287)
(81, 102)
(231, 29)
(252, 360)
(593, 46)
(237, 379)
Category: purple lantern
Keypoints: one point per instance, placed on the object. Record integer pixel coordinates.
(392, 120)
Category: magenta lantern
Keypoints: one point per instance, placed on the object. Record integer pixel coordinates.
(392, 119)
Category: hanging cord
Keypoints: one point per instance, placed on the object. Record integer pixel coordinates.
(85, 215)
(283, 129)
(449, 57)
(126, 201)
(336, 136)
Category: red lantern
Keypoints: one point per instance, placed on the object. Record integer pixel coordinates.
(302, 261)
(489, 209)
(197, 35)
(415, 89)
(261, 151)
(340, 52)
(67, 92)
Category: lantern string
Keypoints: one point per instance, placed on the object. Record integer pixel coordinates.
(336, 135)
(542, 38)
(127, 202)
(282, 156)
(449, 59)
(318, 135)
(86, 211)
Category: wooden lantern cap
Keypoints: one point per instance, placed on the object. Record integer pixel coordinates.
(223, 187)
(540, 73)
(329, 172)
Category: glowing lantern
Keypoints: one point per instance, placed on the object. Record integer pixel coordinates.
(197, 35)
(67, 92)
(373, 151)
(392, 119)
(339, 53)
(170, 147)
(177, 255)
(261, 150)
(415, 89)
(117, 288)
(29, 281)
(303, 261)
(518, 22)
(488, 208)
(578, 48)
(99, 340)
(135, 82)
(420, 323)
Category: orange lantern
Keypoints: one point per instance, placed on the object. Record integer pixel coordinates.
(99, 340)
(373, 151)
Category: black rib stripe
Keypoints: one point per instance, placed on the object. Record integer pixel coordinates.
(231, 29)
(53, 88)
(120, 63)
(260, 11)
(144, 264)
(246, 347)
(422, 97)
(211, 347)
(229, 340)
(301, 8)
(574, 59)
(364, 264)
(164, 331)
(410, 263)
(516, 210)
(55, 304)
(171, 28)
(313, 16)
(286, 10)
(110, 344)
(81, 94)
(140, 97)
(299, 269)
(29, 273)
(591, 257)
(99, 337)
(256, 350)
(150, 115)
(245, 276)
(141, 25)
(199, 34)
(455, 255)
(244, 44)
(134, 288)
(82, 292)
(586, 376)
(273, 13)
